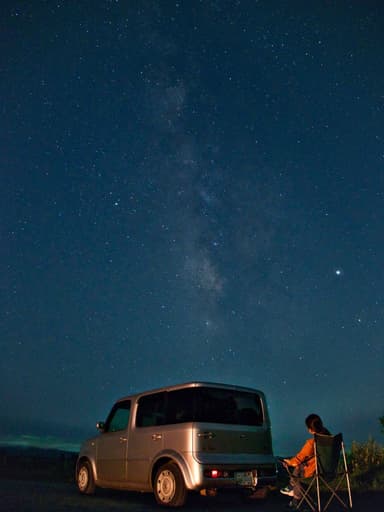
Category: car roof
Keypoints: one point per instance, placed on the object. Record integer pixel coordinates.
(192, 384)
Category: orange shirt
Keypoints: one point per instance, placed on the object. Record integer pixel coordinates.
(306, 456)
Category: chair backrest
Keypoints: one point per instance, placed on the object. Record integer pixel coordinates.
(327, 449)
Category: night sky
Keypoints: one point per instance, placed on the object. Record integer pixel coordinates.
(191, 190)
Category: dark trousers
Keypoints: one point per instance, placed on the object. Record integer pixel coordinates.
(297, 472)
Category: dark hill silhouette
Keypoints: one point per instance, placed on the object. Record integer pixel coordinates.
(36, 463)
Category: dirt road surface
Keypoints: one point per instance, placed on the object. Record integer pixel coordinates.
(42, 496)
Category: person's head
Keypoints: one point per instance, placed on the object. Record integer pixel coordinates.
(314, 423)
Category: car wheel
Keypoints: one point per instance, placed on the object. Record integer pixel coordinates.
(85, 479)
(169, 486)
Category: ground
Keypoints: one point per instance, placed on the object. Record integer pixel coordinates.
(46, 496)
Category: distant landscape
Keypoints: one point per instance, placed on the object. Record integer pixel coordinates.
(365, 460)
(30, 463)
(49, 484)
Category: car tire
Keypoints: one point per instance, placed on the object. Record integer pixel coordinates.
(85, 479)
(169, 488)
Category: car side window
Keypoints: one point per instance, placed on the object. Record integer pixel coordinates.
(151, 411)
(180, 406)
(118, 417)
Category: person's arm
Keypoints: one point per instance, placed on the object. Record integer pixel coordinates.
(307, 452)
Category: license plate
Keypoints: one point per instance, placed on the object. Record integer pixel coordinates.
(244, 478)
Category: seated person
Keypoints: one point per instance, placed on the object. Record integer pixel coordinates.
(304, 461)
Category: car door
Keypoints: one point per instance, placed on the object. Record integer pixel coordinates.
(146, 438)
(112, 445)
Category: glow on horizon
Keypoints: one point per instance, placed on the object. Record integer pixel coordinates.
(42, 442)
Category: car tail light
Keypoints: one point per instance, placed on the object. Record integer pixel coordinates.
(216, 473)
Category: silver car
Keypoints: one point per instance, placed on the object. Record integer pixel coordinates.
(190, 437)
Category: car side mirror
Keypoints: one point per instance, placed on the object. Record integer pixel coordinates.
(100, 425)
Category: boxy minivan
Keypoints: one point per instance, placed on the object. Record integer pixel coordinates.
(190, 437)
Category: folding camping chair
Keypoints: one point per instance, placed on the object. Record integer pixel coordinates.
(331, 472)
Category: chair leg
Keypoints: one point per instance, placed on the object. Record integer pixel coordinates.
(306, 497)
(318, 494)
(347, 476)
(334, 494)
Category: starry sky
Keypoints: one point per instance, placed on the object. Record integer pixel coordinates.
(191, 190)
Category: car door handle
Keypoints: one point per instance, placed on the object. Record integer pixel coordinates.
(156, 437)
(206, 435)
(123, 439)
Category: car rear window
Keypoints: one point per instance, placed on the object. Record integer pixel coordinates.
(200, 404)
